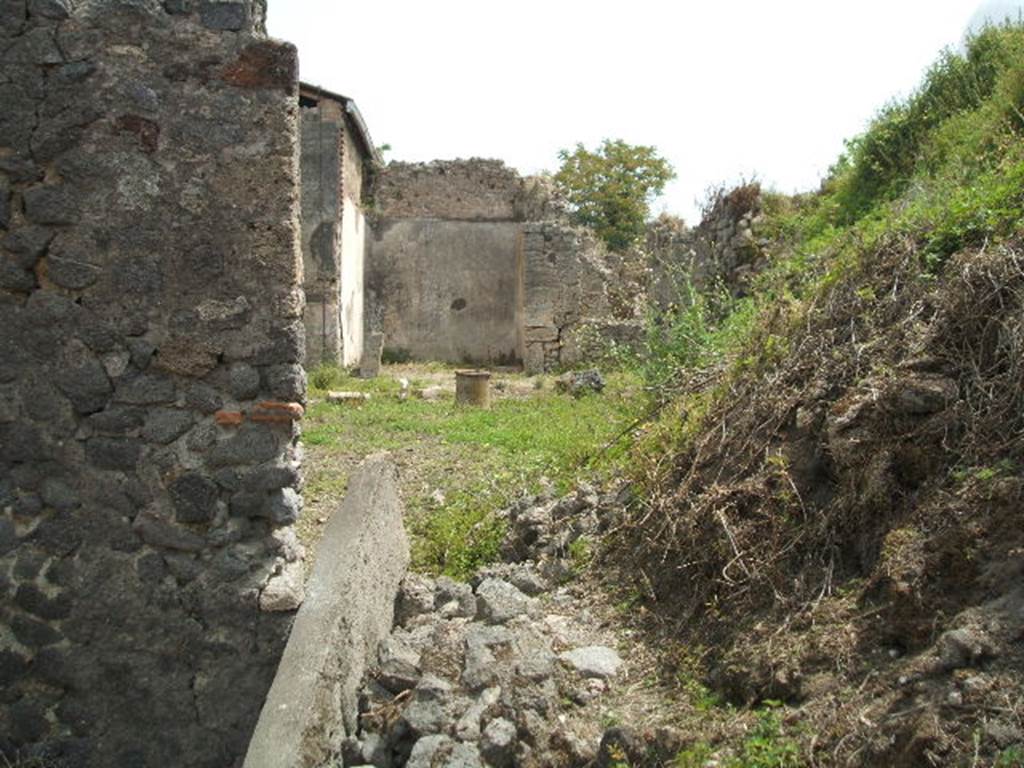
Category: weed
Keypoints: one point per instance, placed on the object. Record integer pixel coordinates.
(767, 746)
(460, 537)
(1011, 757)
(580, 554)
(325, 377)
(696, 756)
(395, 356)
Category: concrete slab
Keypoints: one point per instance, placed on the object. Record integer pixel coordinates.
(348, 610)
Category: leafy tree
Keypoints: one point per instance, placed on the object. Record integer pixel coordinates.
(611, 189)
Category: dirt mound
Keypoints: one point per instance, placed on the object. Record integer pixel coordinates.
(843, 531)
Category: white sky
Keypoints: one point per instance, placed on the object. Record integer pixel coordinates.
(723, 88)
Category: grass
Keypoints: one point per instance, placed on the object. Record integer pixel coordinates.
(461, 465)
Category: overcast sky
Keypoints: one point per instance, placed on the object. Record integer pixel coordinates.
(723, 88)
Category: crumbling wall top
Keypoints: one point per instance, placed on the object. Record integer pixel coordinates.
(472, 190)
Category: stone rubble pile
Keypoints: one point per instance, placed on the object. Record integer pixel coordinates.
(506, 670)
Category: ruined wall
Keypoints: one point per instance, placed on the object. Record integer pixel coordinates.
(577, 297)
(471, 263)
(447, 290)
(353, 248)
(333, 235)
(724, 249)
(467, 190)
(443, 263)
(151, 339)
(321, 150)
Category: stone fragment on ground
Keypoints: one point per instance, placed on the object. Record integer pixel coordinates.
(499, 601)
(348, 398)
(579, 383)
(431, 394)
(593, 661)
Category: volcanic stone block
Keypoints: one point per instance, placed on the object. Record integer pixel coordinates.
(348, 610)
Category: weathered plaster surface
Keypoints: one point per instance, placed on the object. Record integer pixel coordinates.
(448, 290)
(469, 263)
(353, 249)
(321, 151)
(333, 234)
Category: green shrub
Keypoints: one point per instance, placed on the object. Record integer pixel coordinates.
(325, 377)
(459, 538)
(879, 164)
(767, 746)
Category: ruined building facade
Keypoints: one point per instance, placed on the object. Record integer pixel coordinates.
(337, 161)
(151, 339)
(471, 263)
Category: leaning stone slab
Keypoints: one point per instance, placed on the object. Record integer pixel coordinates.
(347, 611)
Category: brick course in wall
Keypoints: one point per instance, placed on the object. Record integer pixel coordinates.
(151, 349)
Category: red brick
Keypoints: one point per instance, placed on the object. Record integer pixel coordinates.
(264, 64)
(229, 418)
(288, 411)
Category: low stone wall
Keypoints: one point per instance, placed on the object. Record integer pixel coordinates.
(151, 353)
(348, 611)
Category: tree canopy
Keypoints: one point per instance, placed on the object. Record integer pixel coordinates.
(611, 189)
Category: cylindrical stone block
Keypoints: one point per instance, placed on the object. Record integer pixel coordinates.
(473, 388)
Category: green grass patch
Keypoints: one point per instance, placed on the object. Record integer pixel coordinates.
(460, 465)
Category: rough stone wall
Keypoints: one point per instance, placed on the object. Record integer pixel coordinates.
(151, 343)
(469, 190)
(570, 303)
(723, 249)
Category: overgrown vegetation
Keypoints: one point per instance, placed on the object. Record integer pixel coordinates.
(802, 505)
(939, 171)
(461, 465)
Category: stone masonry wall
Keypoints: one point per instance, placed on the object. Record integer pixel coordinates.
(442, 280)
(723, 249)
(569, 297)
(472, 190)
(471, 263)
(151, 344)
